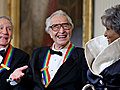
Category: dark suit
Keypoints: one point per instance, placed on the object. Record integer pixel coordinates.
(70, 76)
(19, 59)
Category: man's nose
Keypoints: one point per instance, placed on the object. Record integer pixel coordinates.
(61, 29)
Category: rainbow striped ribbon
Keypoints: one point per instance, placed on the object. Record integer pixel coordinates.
(45, 67)
(8, 59)
(69, 52)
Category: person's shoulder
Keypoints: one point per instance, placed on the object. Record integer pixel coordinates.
(20, 51)
(41, 49)
(79, 49)
(79, 53)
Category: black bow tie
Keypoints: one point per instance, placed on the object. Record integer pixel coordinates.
(2, 52)
(55, 52)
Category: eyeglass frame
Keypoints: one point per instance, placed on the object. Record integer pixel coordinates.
(61, 25)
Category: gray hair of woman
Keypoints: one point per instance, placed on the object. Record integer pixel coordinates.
(59, 12)
(111, 19)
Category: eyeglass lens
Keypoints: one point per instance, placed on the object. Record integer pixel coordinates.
(65, 26)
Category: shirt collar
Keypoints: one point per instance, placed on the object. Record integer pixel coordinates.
(63, 49)
(5, 48)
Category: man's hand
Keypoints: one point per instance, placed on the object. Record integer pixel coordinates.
(18, 74)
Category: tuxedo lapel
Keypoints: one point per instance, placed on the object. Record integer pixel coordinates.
(65, 68)
(42, 55)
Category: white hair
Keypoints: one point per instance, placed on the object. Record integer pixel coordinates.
(59, 12)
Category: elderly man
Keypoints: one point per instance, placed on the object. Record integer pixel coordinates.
(10, 57)
(61, 66)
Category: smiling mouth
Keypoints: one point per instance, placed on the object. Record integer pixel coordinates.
(3, 37)
(108, 38)
(62, 36)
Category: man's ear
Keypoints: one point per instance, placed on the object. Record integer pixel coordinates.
(50, 33)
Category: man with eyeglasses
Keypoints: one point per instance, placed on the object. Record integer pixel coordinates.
(61, 66)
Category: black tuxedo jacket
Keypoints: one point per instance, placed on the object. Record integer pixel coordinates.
(19, 59)
(70, 76)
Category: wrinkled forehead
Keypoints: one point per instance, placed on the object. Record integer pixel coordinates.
(58, 19)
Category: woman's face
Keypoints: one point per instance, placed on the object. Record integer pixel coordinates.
(111, 35)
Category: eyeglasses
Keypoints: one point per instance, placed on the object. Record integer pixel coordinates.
(65, 26)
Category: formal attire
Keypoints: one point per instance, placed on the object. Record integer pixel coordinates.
(13, 58)
(104, 64)
(57, 72)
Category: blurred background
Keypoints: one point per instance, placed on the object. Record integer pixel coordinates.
(29, 17)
